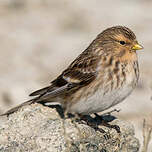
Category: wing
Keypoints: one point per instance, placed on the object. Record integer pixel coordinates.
(80, 73)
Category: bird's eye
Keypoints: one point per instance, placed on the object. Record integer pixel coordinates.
(122, 42)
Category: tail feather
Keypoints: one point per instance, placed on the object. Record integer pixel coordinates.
(39, 92)
(18, 107)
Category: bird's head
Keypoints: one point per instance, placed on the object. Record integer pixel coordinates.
(119, 41)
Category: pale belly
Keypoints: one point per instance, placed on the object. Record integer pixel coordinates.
(99, 101)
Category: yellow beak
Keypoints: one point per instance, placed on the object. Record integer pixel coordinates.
(137, 47)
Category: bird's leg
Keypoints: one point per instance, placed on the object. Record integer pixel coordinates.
(88, 120)
(104, 120)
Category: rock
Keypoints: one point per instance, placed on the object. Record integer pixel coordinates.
(36, 128)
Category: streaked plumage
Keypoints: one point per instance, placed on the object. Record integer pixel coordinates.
(99, 78)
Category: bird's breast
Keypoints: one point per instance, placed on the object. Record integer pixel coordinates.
(97, 98)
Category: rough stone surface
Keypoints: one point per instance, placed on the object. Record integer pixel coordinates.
(37, 128)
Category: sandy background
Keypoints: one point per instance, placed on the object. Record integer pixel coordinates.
(39, 38)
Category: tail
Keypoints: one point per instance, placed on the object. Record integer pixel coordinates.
(18, 107)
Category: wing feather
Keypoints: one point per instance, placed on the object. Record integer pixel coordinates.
(81, 72)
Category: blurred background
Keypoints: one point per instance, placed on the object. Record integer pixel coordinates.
(39, 38)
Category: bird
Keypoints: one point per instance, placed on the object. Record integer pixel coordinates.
(102, 76)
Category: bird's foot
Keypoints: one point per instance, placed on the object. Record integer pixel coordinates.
(105, 119)
(90, 121)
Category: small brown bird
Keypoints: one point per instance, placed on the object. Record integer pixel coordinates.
(99, 78)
